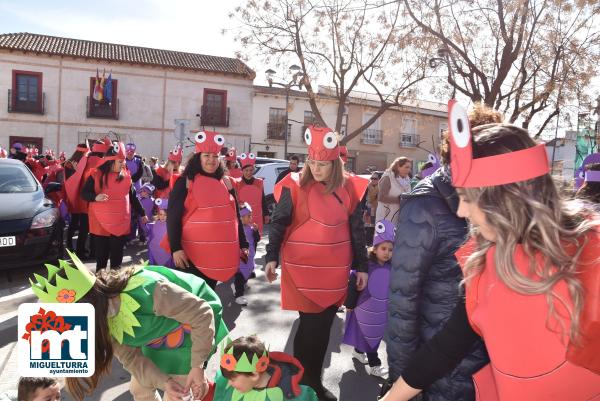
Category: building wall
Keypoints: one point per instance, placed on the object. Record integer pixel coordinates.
(380, 156)
(150, 99)
(297, 105)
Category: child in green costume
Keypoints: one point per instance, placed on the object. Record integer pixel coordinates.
(250, 373)
(161, 324)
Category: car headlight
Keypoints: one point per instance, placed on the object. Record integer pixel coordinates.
(45, 219)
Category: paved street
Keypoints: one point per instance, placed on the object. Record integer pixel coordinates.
(343, 375)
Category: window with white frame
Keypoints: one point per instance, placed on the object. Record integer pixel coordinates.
(408, 132)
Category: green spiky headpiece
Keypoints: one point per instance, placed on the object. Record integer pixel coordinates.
(245, 363)
(78, 282)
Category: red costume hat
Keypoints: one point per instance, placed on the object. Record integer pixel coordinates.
(322, 143)
(176, 155)
(83, 149)
(344, 153)
(231, 155)
(2, 153)
(209, 142)
(505, 168)
(247, 160)
(102, 147)
(119, 152)
(49, 152)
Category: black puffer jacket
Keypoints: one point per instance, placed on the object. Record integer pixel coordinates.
(424, 283)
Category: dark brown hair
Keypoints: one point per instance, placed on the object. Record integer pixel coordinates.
(250, 345)
(78, 154)
(29, 385)
(590, 190)
(109, 284)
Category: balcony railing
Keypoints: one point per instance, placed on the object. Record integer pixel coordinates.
(372, 137)
(102, 110)
(277, 131)
(16, 106)
(214, 118)
(409, 140)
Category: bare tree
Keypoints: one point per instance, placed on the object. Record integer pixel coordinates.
(523, 57)
(351, 42)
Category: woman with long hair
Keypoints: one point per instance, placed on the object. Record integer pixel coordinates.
(531, 275)
(393, 183)
(317, 229)
(161, 324)
(203, 220)
(70, 168)
(111, 195)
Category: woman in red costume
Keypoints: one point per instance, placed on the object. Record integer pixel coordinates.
(70, 168)
(532, 276)
(318, 231)
(164, 177)
(251, 189)
(203, 221)
(111, 196)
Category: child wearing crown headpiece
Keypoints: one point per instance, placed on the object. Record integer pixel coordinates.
(246, 266)
(161, 324)
(156, 231)
(249, 371)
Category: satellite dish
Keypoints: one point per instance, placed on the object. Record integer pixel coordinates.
(182, 129)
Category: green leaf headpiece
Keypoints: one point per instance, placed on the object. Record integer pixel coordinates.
(246, 363)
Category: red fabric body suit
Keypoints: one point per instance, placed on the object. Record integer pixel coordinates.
(210, 228)
(253, 195)
(112, 217)
(531, 358)
(316, 254)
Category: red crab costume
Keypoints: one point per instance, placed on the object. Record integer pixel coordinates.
(74, 183)
(209, 234)
(176, 155)
(530, 352)
(231, 156)
(112, 217)
(317, 252)
(251, 193)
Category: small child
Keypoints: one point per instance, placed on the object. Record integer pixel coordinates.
(38, 389)
(144, 194)
(246, 268)
(157, 256)
(248, 370)
(367, 312)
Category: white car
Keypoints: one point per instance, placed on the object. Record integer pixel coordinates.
(269, 172)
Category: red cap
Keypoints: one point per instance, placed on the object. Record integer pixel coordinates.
(176, 155)
(505, 168)
(231, 155)
(102, 147)
(2, 153)
(209, 142)
(247, 159)
(322, 143)
(119, 149)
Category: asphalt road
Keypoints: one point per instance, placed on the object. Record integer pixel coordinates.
(263, 316)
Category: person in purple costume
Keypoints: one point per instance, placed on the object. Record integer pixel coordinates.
(157, 256)
(367, 310)
(144, 194)
(246, 268)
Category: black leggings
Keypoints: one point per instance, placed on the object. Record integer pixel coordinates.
(80, 223)
(240, 284)
(109, 247)
(310, 342)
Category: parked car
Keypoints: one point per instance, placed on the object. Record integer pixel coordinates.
(31, 229)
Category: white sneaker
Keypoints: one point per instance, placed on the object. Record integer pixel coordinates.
(241, 301)
(379, 371)
(362, 358)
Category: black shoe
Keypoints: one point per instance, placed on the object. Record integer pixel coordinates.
(325, 395)
(252, 275)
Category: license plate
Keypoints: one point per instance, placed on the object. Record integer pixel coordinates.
(8, 241)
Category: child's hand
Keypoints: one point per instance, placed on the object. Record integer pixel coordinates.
(244, 255)
(174, 389)
(362, 279)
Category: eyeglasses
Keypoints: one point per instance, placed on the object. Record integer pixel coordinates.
(374, 178)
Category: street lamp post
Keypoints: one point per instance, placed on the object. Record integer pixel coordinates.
(443, 56)
(295, 80)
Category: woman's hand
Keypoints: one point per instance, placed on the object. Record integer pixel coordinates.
(197, 382)
(174, 390)
(180, 259)
(101, 198)
(244, 252)
(271, 271)
(362, 279)
(400, 391)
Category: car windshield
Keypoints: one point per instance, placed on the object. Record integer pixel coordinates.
(16, 179)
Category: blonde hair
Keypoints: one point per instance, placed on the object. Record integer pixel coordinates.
(533, 214)
(336, 179)
(398, 162)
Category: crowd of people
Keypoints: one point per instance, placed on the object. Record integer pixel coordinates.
(482, 277)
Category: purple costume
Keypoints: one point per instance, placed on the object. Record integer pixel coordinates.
(134, 165)
(248, 267)
(156, 231)
(366, 323)
(147, 204)
(434, 160)
(580, 172)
